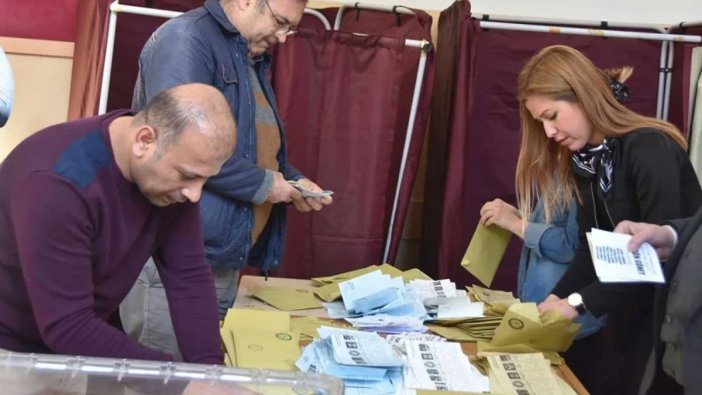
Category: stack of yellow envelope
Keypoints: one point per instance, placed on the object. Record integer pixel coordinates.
(466, 329)
(288, 298)
(496, 302)
(260, 339)
(523, 325)
(307, 326)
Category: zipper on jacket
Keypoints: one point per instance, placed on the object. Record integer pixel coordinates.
(594, 208)
(594, 205)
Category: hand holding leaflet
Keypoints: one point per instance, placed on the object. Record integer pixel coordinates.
(614, 263)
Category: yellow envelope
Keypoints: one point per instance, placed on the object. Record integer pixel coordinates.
(485, 251)
(523, 325)
(288, 299)
(485, 348)
(452, 333)
(266, 349)
(414, 274)
(264, 319)
(330, 292)
(229, 350)
(307, 326)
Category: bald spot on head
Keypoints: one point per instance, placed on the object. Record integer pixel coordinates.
(197, 108)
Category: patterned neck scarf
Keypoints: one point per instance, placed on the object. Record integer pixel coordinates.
(593, 161)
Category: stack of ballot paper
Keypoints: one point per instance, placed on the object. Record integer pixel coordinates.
(328, 287)
(441, 366)
(260, 339)
(615, 264)
(365, 361)
(516, 374)
(385, 323)
(376, 293)
(443, 301)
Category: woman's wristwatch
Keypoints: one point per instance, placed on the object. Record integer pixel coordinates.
(575, 300)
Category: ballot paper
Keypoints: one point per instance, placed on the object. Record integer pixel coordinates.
(360, 380)
(360, 348)
(434, 289)
(441, 366)
(385, 323)
(370, 291)
(523, 374)
(308, 193)
(399, 340)
(459, 308)
(615, 264)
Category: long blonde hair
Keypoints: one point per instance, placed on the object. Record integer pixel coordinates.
(563, 73)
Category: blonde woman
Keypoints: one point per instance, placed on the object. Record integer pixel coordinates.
(621, 166)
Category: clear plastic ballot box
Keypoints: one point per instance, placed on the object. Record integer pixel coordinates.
(38, 374)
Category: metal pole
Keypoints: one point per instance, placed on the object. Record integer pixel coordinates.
(425, 48)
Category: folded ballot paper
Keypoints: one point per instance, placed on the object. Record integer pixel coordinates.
(328, 287)
(365, 361)
(441, 366)
(308, 193)
(516, 374)
(615, 264)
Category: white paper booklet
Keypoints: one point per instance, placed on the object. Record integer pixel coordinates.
(615, 264)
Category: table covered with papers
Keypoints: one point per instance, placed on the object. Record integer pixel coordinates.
(367, 362)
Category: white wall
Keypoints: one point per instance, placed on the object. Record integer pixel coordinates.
(632, 11)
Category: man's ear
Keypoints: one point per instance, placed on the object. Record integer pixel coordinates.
(144, 141)
(241, 4)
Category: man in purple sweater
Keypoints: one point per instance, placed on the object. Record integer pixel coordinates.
(84, 204)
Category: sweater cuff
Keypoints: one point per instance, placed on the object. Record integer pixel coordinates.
(533, 233)
(673, 233)
(262, 192)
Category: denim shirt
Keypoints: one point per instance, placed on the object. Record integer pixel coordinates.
(203, 46)
(548, 248)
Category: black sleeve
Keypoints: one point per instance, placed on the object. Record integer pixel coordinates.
(652, 161)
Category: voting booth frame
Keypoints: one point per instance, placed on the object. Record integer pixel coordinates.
(474, 134)
(369, 161)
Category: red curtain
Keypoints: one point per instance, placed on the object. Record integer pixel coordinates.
(344, 100)
(679, 108)
(130, 35)
(474, 134)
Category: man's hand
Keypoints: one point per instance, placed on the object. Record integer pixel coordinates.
(502, 214)
(661, 238)
(305, 204)
(281, 191)
(552, 302)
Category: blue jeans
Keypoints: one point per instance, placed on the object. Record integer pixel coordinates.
(145, 315)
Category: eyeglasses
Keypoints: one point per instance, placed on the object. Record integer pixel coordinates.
(282, 26)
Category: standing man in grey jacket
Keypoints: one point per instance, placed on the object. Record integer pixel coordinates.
(225, 43)
(674, 363)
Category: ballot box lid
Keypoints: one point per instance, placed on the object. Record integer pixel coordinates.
(25, 374)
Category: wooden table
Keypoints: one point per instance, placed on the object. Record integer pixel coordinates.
(250, 284)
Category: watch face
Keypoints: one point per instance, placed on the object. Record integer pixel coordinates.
(575, 299)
